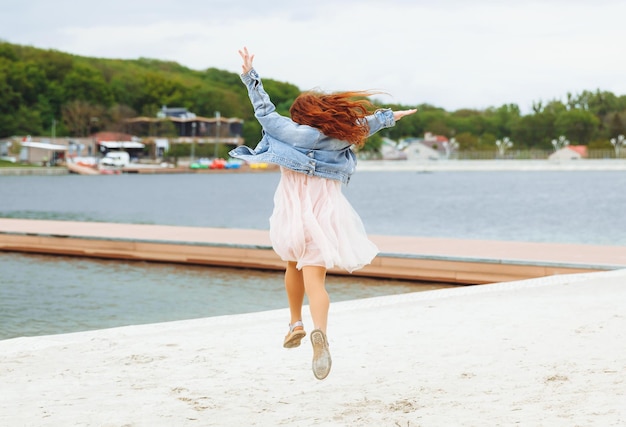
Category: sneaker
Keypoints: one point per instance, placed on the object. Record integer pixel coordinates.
(321, 356)
(295, 335)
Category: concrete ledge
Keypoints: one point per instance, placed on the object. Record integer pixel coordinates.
(33, 171)
(493, 165)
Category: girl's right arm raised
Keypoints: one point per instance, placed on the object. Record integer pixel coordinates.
(261, 102)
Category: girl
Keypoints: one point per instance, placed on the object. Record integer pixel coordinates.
(313, 226)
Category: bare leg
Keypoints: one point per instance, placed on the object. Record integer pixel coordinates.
(294, 285)
(319, 302)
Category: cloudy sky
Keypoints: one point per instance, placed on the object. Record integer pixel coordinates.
(449, 53)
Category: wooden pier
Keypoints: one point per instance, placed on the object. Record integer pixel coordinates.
(411, 258)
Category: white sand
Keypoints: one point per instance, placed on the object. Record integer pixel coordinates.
(542, 352)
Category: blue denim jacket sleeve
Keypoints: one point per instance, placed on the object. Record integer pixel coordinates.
(381, 119)
(260, 99)
(280, 127)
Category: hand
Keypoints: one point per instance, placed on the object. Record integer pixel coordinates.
(397, 115)
(247, 60)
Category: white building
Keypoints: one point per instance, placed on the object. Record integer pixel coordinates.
(390, 150)
(417, 151)
(571, 152)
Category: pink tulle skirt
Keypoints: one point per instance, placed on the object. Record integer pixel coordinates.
(314, 224)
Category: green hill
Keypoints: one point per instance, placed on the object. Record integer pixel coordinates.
(45, 91)
(81, 95)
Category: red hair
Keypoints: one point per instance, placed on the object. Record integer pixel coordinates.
(337, 115)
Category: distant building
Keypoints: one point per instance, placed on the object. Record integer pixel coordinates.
(418, 151)
(116, 141)
(181, 113)
(390, 151)
(434, 142)
(571, 152)
(188, 126)
(43, 152)
(4, 148)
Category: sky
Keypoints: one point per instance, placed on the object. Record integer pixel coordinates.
(452, 54)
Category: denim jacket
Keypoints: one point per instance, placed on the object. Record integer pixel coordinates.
(298, 147)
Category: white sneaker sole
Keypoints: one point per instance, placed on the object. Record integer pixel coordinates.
(321, 356)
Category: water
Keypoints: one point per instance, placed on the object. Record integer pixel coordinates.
(566, 207)
(45, 295)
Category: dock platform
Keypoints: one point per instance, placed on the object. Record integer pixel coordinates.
(401, 257)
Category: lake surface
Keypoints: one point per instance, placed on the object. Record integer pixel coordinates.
(42, 295)
(567, 206)
(45, 295)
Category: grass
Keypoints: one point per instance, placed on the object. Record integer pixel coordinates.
(7, 164)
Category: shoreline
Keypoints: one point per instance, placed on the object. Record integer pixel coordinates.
(491, 165)
(467, 356)
(383, 165)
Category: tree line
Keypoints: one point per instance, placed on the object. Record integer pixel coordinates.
(48, 92)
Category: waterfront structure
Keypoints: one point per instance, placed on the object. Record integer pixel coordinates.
(45, 153)
(390, 150)
(4, 148)
(569, 152)
(431, 147)
(116, 141)
(183, 126)
(418, 151)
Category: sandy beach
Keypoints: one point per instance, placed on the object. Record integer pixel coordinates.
(539, 352)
